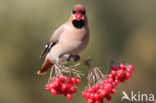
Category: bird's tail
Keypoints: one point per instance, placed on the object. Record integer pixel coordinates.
(47, 64)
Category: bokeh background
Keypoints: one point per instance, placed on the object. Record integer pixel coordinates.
(121, 30)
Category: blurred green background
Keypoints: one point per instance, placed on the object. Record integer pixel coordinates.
(121, 30)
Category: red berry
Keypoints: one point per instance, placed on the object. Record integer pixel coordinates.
(108, 97)
(69, 85)
(102, 86)
(113, 67)
(53, 79)
(120, 73)
(116, 82)
(92, 95)
(110, 76)
(89, 89)
(52, 85)
(47, 87)
(131, 67)
(102, 93)
(99, 101)
(58, 79)
(113, 91)
(113, 72)
(128, 70)
(110, 80)
(64, 87)
(97, 87)
(87, 95)
(55, 84)
(122, 66)
(74, 80)
(108, 87)
(122, 79)
(69, 96)
(53, 91)
(105, 81)
(128, 75)
(90, 100)
(73, 89)
(62, 77)
(84, 93)
(66, 79)
(113, 84)
(78, 81)
(96, 96)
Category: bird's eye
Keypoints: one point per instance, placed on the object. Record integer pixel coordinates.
(73, 11)
(83, 12)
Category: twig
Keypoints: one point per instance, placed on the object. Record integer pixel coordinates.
(59, 69)
(94, 75)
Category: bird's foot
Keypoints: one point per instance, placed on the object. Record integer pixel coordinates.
(76, 58)
(68, 57)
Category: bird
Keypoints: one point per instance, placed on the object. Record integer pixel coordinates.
(70, 39)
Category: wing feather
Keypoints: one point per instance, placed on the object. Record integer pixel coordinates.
(53, 40)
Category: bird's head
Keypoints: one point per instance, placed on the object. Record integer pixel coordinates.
(78, 16)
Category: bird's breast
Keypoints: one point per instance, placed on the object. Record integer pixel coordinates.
(75, 40)
(74, 34)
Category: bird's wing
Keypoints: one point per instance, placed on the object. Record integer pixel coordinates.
(53, 40)
(56, 35)
(48, 46)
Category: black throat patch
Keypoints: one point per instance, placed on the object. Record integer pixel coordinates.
(78, 23)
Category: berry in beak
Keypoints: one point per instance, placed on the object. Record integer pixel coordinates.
(78, 15)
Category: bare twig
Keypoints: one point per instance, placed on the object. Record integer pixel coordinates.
(94, 75)
(59, 69)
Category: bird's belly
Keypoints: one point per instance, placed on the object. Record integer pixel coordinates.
(73, 44)
(77, 47)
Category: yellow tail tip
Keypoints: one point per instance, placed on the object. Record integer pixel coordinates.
(39, 73)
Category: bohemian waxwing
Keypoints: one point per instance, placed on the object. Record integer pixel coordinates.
(69, 39)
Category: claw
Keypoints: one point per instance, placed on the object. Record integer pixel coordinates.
(68, 57)
(76, 58)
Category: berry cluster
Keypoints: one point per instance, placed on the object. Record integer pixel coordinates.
(120, 73)
(63, 85)
(97, 92)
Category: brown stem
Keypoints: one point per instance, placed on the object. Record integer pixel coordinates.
(87, 62)
(94, 75)
(58, 69)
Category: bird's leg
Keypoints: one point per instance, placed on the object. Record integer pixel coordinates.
(68, 57)
(76, 58)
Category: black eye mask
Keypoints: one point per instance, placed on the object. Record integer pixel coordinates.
(78, 23)
(83, 12)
